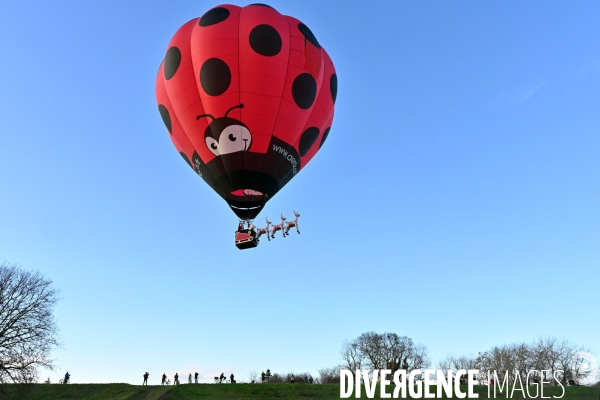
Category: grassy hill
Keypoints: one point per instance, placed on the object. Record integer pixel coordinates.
(122, 391)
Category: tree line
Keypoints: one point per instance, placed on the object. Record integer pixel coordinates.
(28, 334)
(543, 358)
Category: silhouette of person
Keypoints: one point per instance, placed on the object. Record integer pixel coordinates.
(176, 379)
(164, 379)
(310, 379)
(190, 378)
(146, 375)
(231, 377)
(292, 379)
(196, 377)
(67, 376)
(222, 377)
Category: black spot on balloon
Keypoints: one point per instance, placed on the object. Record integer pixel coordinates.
(172, 61)
(215, 76)
(324, 136)
(333, 87)
(265, 40)
(187, 160)
(309, 35)
(260, 4)
(164, 113)
(307, 139)
(304, 90)
(214, 16)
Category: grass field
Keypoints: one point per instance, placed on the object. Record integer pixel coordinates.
(122, 391)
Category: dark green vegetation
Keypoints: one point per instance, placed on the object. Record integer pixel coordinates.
(121, 391)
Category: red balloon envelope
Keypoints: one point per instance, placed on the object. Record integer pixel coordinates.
(247, 96)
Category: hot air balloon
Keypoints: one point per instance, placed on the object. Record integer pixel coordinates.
(247, 96)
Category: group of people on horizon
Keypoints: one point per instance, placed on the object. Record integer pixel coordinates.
(223, 378)
(164, 380)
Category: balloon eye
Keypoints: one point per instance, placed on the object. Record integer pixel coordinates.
(232, 137)
(213, 145)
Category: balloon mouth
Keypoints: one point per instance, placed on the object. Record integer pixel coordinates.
(245, 208)
(246, 192)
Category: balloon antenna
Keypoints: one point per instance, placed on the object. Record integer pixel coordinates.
(234, 107)
(204, 115)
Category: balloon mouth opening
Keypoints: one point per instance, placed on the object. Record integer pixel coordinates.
(245, 208)
(246, 192)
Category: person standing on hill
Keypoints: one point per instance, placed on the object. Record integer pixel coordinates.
(176, 379)
(190, 378)
(196, 377)
(146, 375)
(164, 379)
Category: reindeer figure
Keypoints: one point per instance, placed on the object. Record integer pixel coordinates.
(264, 230)
(292, 224)
(278, 227)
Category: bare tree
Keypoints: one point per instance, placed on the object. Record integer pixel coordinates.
(454, 364)
(521, 359)
(352, 357)
(555, 355)
(303, 377)
(28, 332)
(419, 358)
(253, 376)
(329, 375)
(277, 378)
(384, 351)
(457, 363)
(548, 354)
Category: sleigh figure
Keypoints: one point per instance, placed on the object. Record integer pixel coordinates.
(246, 238)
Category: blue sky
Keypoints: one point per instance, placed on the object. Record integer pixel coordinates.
(456, 200)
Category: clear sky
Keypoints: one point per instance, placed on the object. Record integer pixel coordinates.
(456, 200)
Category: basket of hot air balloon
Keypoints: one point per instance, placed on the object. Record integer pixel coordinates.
(247, 95)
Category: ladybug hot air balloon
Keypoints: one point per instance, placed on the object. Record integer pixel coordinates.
(247, 96)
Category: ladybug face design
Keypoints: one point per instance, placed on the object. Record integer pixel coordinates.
(226, 135)
(235, 137)
(247, 95)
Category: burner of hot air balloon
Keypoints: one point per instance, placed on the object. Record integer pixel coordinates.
(247, 95)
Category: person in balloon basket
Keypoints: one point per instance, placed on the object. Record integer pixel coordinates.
(146, 375)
